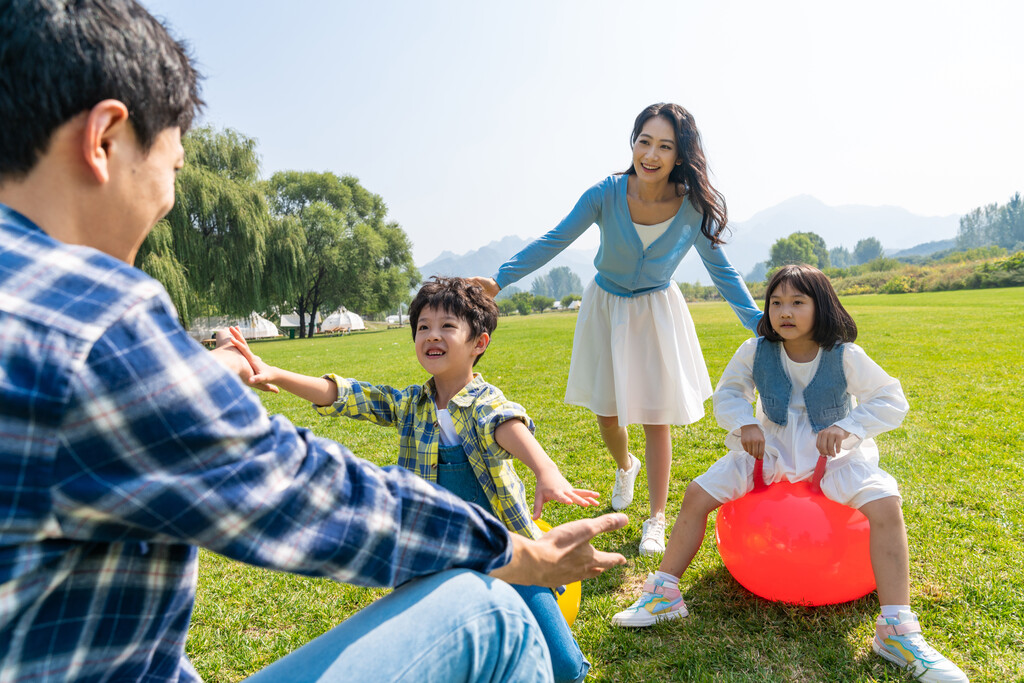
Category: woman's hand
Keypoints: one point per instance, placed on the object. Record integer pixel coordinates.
(830, 440)
(487, 284)
(752, 438)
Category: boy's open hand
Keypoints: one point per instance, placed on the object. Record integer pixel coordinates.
(562, 555)
(263, 375)
(553, 486)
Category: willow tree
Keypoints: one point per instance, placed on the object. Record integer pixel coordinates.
(215, 237)
(346, 251)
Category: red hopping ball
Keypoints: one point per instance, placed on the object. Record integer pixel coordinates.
(788, 542)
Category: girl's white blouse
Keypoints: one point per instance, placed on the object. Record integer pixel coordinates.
(879, 405)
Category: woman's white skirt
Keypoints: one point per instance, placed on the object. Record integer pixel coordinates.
(638, 358)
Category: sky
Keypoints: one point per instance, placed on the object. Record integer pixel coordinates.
(476, 119)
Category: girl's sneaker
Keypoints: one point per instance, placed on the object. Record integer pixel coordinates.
(899, 641)
(622, 492)
(658, 603)
(652, 542)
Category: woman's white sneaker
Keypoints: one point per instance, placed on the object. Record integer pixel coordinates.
(652, 542)
(622, 492)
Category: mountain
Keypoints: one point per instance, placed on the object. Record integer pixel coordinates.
(747, 243)
(840, 226)
(487, 259)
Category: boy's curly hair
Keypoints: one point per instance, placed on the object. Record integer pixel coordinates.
(456, 296)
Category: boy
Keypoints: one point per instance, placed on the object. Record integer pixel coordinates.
(457, 430)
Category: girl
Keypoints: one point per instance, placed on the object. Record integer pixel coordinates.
(818, 395)
(635, 355)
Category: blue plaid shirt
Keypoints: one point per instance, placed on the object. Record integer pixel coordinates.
(124, 445)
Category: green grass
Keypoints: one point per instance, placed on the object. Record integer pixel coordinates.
(957, 458)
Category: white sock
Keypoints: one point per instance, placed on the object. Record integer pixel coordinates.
(667, 579)
(893, 611)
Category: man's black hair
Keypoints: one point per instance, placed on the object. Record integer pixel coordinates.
(59, 58)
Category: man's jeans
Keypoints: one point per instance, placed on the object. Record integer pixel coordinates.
(454, 626)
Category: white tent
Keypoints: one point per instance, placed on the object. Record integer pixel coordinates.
(291, 320)
(397, 320)
(342, 320)
(255, 326)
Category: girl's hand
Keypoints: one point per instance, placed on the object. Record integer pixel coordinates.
(752, 438)
(553, 486)
(263, 375)
(487, 284)
(830, 440)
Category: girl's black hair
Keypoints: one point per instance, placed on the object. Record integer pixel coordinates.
(832, 323)
(692, 174)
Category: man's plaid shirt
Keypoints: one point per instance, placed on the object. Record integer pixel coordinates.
(476, 411)
(124, 445)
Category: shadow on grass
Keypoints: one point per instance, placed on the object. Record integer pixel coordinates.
(733, 635)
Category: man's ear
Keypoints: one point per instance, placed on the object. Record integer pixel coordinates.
(481, 343)
(103, 124)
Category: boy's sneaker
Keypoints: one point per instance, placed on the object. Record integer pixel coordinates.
(622, 492)
(652, 542)
(658, 603)
(899, 640)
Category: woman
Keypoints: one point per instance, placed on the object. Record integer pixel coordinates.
(635, 356)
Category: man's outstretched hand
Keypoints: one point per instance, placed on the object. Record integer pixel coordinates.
(562, 555)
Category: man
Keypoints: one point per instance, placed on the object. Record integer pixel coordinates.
(125, 444)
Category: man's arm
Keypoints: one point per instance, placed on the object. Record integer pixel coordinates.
(163, 444)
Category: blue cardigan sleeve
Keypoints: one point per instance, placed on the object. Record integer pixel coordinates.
(729, 282)
(540, 251)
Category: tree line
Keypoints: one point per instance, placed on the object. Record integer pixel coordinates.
(994, 225)
(299, 241)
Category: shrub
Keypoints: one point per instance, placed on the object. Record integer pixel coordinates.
(901, 284)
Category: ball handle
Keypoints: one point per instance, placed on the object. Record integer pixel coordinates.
(819, 472)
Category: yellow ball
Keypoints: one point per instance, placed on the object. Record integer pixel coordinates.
(569, 600)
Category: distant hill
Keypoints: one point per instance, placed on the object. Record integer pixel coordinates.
(926, 249)
(748, 243)
(487, 259)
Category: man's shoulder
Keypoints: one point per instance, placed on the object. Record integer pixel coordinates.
(77, 289)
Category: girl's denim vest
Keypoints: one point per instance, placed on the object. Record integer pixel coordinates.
(825, 397)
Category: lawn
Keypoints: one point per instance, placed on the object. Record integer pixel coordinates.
(957, 458)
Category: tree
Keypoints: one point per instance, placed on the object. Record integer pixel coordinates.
(796, 248)
(541, 303)
(799, 247)
(868, 249)
(505, 306)
(993, 225)
(523, 301)
(821, 259)
(569, 298)
(841, 257)
(562, 282)
(507, 293)
(539, 286)
(209, 251)
(339, 248)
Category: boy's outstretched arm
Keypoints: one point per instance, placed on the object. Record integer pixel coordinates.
(316, 390)
(515, 437)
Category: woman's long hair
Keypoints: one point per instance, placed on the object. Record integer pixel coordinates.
(692, 173)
